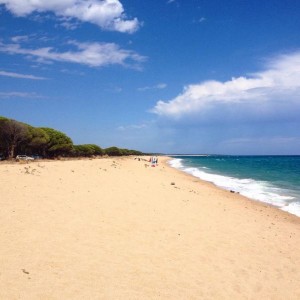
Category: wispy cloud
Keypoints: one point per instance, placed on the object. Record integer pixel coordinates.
(199, 20)
(20, 38)
(72, 72)
(24, 76)
(159, 86)
(8, 95)
(274, 90)
(90, 54)
(107, 14)
(132, 127)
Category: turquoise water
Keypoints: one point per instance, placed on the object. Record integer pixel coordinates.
(271, 179)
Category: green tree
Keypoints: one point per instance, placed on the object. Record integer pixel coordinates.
(113, 151)
(38, 142)
(87, 150)
(2, 142)
(97, 150)
(82, 150)
(12, 135)
(59, 143)
(17, 137)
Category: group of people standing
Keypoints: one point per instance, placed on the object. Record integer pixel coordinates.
(154, 161)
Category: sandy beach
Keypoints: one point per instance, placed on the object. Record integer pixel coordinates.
(115, 228)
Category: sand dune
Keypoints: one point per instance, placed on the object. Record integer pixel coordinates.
(116, 229)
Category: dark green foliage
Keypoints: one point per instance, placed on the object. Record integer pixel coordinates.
(86, 150)
(58, 144)
(38, 142)
(12, 135)
(97, 150)
(19, 138)
(113, 151)
(2, 141)
(135, 152)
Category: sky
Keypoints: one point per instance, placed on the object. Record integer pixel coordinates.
(168, 76)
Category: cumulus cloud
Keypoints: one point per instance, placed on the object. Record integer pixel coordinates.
(276, 87)
(90, 54)
(107, 14)
(17, 75)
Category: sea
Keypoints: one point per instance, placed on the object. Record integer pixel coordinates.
(271, 179)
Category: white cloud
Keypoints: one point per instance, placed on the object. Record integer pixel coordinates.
(132, 127)
(7, 95)
(17, 75)
(91, 54)
(159, 86)
(20, 38)
(107, 14)
(200, 20)
(277, 85)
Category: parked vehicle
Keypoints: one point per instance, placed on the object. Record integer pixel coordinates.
(23, 157)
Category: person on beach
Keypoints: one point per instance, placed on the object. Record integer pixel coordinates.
(153, 160)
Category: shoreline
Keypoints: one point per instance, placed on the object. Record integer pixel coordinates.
(242, 197)
(115, 228)
(278, 207)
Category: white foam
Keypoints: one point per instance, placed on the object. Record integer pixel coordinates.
(292, 208)
(258, 190)
(176, 163)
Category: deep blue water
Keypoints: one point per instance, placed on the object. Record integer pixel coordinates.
(271, 179)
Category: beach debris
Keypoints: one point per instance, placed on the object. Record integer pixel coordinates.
(27, 170)
(172, 183)
(24, 271)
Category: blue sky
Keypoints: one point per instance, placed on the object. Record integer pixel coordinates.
(181, 76)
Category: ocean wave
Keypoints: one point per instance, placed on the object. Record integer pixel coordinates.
(176, 163)
(253, 189)
(292, 208)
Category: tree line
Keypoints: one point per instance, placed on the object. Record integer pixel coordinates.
(20, 138)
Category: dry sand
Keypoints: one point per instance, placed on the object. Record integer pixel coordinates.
(116, 229)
